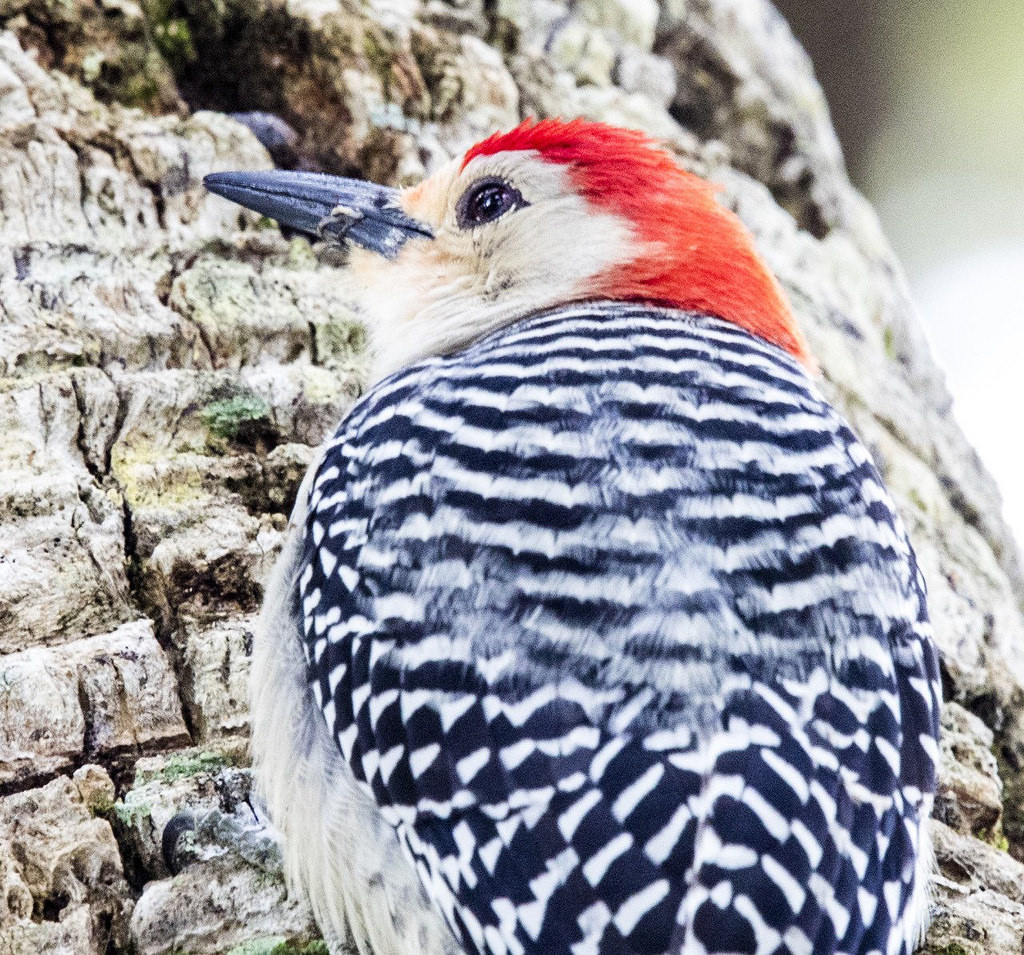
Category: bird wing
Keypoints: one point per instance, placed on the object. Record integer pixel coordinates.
(613, 616)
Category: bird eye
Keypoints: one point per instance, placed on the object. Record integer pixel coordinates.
(487, 200)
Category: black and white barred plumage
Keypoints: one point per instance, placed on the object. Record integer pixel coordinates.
(612, 615)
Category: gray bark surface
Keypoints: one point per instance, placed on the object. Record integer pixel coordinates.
(168, 363)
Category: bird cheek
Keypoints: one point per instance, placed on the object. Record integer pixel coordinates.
(496, 284)
(440, 272)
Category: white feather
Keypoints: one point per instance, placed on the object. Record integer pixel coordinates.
(338, 849)
(917, 914)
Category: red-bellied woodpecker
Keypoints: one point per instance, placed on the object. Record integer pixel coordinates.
(598, 631)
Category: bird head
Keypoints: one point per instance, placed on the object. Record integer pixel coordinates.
(549, 213)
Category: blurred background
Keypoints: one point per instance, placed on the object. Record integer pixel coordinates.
(928, 99)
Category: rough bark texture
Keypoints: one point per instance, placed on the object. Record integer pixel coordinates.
(167, 363)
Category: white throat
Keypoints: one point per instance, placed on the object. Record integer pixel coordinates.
(438, 295)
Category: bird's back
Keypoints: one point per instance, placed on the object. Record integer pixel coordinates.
(612, 615)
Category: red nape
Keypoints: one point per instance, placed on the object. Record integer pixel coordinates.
(693, 253)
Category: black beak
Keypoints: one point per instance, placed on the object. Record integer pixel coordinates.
(324, 206)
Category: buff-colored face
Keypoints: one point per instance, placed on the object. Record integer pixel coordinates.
(511, 237)
(508, 233)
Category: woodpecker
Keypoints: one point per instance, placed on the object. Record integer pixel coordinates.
(597, 630)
